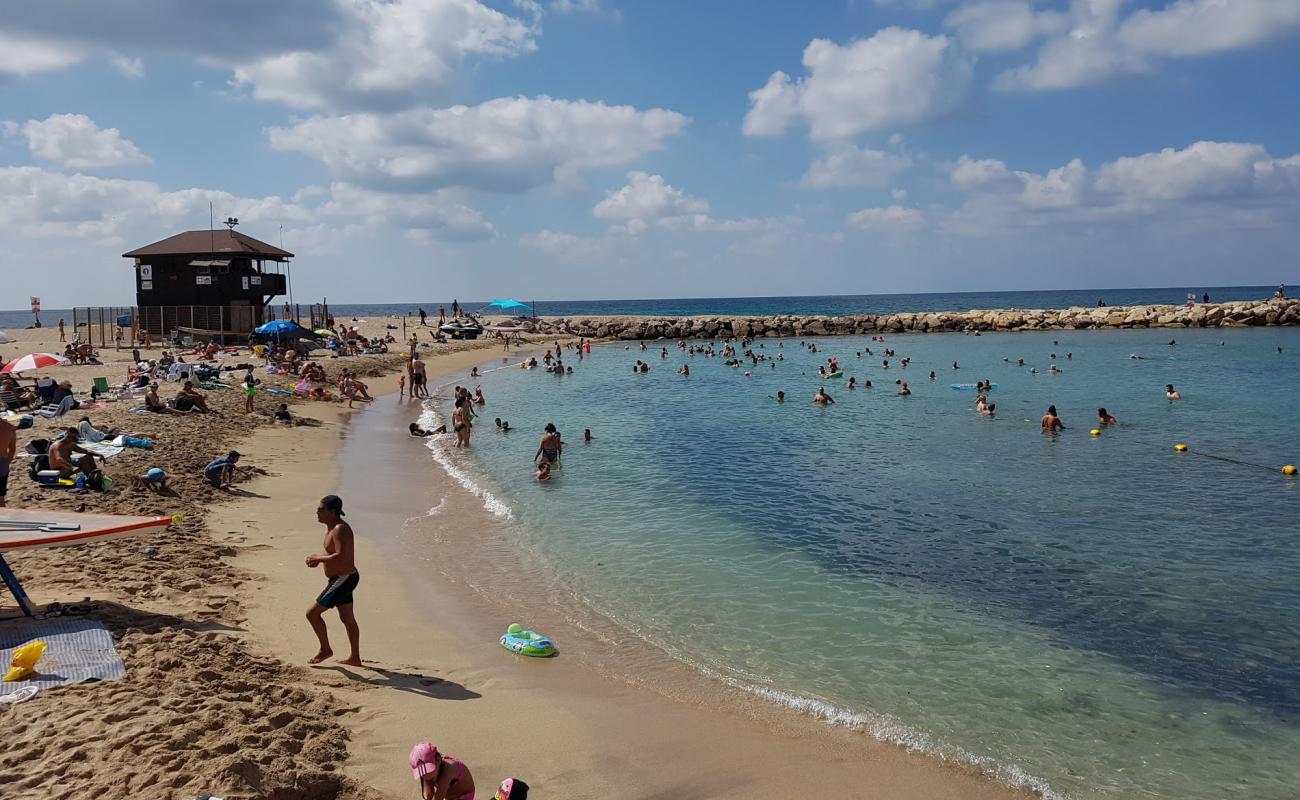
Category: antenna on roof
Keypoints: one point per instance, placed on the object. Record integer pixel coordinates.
(231, 222)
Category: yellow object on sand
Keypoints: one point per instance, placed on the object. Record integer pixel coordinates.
(24, 663)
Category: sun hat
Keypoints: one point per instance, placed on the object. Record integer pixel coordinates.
(424, 759)
(512, 789)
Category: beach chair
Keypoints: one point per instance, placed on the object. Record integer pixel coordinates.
(54, 411)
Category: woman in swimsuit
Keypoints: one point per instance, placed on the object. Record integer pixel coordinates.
(441, 777)
(549, 449)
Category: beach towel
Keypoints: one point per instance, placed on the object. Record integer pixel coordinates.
(78, 650)
(276, 391)
(101, 449)
(132, 441)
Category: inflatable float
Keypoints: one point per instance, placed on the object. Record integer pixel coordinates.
(962, 387)
(839, 373)
(527, 643)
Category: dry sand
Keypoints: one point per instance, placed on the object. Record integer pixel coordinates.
(212, 632)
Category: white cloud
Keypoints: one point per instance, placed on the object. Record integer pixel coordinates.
(128, 67)
(387, 55)
(566, 245)
(21, 56)
(576, 7)
(1092, 42)
(895, 78)
(647, 197)
(73, 141)
(847, 166)
(1214, 180)
(337, 55)
(37, 203)
(439, 214)
(509, 144)
(889, 218)
(1000, 25)
(1201, 27)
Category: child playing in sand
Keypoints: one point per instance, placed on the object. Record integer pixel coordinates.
(441, 777)
(282, 414)
(220, 472)
(341, 579)
(155, 480)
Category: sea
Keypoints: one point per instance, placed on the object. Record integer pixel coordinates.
(1091, 616)
(766, 306)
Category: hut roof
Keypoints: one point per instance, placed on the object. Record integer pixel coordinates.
(202, 243)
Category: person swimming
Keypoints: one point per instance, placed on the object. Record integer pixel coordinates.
(780, 397)
(1051, 422)
(549, 449)
(903, 391)
(1172, 393)
(823, 399)
(1104, 418)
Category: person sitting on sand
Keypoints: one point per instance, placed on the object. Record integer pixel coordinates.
(341, 579)
(1050, 422)
(61, 453)
(191, 399)
(154, 403)
(89, 433)
(282, 414)
(220, 471)
(441, 777)
(1172, 393)
(823, 399)
(1104, 418)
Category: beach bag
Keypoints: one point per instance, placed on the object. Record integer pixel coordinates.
(26, 421)
(38, 446)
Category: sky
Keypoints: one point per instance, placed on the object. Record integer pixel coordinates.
(589, 149)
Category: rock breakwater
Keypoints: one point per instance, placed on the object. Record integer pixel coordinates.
(1238, 314)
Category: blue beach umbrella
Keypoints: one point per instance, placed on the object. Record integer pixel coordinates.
(284, 329)
(511, 305)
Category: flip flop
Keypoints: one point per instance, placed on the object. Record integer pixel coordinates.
(22, 695)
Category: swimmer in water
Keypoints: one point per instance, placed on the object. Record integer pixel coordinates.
(543, 471)
(685, 370)
(902, 388)
(780, 397)
(1052, 423)
(1171, 392)
(932, 375)
(981, 404)
(416, 430)
(1052, 369)
(586, 435)
(823, 399)
(853, 382)
(1104, 418)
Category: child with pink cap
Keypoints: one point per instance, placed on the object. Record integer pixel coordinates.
(441, 777)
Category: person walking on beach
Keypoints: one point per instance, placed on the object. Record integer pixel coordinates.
(8, 449)
(341, 579)
(1052, 423)
(63, 337)
(424, 319)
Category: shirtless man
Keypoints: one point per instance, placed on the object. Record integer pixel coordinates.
(1171, 392)
(61, 456)
(418, 388)
(8, 447)
(823, 399)
(1052, 423)
(341, 578)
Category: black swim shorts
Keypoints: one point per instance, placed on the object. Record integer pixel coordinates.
(338, 591)
(4, 477)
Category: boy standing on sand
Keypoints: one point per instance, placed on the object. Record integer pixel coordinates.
(341, 578)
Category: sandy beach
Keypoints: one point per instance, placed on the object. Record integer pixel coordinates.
(208, 617)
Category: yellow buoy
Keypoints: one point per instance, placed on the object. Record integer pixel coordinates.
(1095, 432)
(1182, 448)
(1289, 469)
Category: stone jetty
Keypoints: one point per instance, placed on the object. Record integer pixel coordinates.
(1238, 314)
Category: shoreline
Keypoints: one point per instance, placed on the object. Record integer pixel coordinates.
(1234, 314)
(455, 685)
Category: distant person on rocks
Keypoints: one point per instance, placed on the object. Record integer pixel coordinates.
(1052, 423)
(341, 579)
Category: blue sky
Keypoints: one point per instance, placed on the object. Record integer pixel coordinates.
(571, 149)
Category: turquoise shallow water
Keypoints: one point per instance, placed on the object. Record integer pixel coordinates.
(1102, 616)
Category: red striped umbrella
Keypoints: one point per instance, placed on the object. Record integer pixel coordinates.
(34, 361)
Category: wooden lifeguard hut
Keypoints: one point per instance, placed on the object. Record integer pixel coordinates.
(213, 283)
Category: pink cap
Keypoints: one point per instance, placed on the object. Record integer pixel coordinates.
(424, 759)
